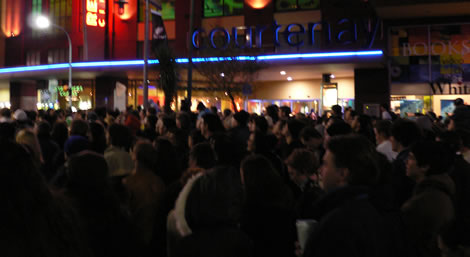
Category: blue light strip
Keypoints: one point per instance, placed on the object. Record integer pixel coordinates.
(105, 64)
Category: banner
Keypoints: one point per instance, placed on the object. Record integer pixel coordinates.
(159, 37)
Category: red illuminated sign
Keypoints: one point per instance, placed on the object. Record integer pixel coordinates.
(95, 13)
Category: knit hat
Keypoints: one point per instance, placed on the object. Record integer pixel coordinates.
(76, 144)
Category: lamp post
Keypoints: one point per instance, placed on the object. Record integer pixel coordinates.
(43, 22)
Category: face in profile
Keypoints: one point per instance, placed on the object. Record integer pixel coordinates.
(330, 175)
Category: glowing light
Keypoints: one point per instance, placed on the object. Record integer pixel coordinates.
(11, 17)
(96, 13)
(289, 78)
(257, 4)
(105, 64)
(283, 73)
(332, 76)
(42, 22)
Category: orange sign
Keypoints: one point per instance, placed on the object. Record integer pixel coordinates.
(95, 13)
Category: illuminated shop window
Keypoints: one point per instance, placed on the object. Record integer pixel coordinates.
(37, 6)
(292, 5)
(33, 58)
(57, 56)
(215, 8)
(168, 10)
(36, 10)
(60, 12)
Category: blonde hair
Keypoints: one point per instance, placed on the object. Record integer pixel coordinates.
(28, 138)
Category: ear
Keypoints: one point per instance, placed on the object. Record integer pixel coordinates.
(343, 175)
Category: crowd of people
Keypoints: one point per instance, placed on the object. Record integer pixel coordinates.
(212, 184)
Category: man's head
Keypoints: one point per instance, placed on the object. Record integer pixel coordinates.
(144, 154)
(211, 124)
(310, 137)
(302, 164)
(383, 130)
(202, 156)
(292, 130)
(284, 112)
(79, 128)
(460, 118)
(404, 134)
(349, 160)
(428, 158)
(240, 118)
(337, 111)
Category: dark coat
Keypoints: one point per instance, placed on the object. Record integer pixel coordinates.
(427, 212)
(402, 184)
(348, 226)
(271, 228)
(214, 242)
(49, 150)
(460, 174)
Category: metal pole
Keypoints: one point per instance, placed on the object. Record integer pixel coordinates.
(146, 47)
(85, 33)
(70, 59)
(190, 52)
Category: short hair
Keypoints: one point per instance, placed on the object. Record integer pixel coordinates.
(339, 127)
(358, 155)
(310, 132)
(44, 130)
(458, 102)
(146, 154)
(213, 122)
(184, 119)
(169, 123)
(201, 106)
(285, 109)
(262, 182)
(227, 112)
(337, 110)
(241, 117)
(120, 136)
(384, 127)
(203, 154)
(303, 161)
(295, 126)
(437, 155)
(260, 122)
(79, 128)
(406, 132)
(5, 112)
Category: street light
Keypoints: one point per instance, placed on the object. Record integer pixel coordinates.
(42, 22)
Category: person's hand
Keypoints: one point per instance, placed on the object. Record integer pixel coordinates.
(298, 249)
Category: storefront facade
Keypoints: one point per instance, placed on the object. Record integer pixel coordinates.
(430, 67)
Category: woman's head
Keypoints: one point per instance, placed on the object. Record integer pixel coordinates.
(261, 182)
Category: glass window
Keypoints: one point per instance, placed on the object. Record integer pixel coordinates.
(168, 10)
(292, 5)
(215, 8)
(60, 12)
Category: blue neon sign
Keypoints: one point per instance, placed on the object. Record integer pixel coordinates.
(344, 32)
(279, 57)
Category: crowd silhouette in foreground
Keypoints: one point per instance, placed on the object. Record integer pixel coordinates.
(209, 184)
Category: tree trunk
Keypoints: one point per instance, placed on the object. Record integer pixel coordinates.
(229, 92)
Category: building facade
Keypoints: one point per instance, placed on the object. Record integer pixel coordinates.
(317, 53)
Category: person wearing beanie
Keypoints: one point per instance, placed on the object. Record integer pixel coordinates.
(74, 145)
